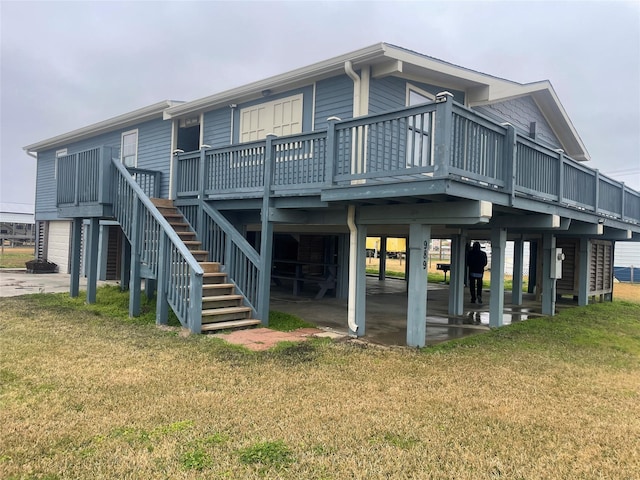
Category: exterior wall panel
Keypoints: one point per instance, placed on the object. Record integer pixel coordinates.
(217, 127)
(520, 112)
(334, 98)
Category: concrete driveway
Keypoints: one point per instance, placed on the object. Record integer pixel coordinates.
(14, 282)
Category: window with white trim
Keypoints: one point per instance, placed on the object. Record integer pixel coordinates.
(419, 145)
(129, 150)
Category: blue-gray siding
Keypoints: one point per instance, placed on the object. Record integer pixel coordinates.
(520, 112)
(217, 127)
(390, 93)
(334, 98)
(154, 153)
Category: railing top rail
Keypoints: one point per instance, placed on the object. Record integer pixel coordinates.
(392, 115)
(143, 170)
(168, 229)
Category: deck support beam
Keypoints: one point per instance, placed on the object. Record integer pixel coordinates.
(457, 274)
(92, 259)
(498, 245)
(583, 271)
(548, 283)
(518, 257)
(76, 238)
(419, 239)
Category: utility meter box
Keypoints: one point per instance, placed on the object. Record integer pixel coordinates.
(556, 263)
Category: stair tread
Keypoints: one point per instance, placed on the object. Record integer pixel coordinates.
(214, 274)
(217, 286)
(229, 324)
(224, 310)
(214, 298)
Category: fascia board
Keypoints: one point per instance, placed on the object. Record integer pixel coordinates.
(121, 121)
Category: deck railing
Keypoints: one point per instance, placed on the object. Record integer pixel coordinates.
(442, 140)
(228, 247)
(156, 246)
(83, 178)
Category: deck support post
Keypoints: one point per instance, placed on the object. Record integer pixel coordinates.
(76, 238)
(518, 256)
(548, 283)
(342, 285)
(419, 239)
(134, 277)
(498, 245)
(92, 259)
(149, 287)
(532, 284)
(103, 248)
(382, 256)
(583, 271)
(457, 274)
(266, 237)
(162, 306)
(125, 262)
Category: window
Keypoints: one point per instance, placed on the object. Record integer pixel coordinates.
(418, 141)
(129, 151)
(280, 117)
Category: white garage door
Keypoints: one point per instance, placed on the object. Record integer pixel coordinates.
(281, 117)
(58, 244)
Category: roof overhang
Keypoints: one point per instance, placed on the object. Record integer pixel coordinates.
(121, 121)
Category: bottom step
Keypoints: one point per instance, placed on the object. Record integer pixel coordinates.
(208, 327)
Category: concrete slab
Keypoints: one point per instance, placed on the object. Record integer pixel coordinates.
(14, 282)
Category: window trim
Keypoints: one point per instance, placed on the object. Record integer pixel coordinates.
(423, 93)
(135, 156)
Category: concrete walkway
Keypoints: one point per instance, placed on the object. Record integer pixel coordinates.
(386, 321)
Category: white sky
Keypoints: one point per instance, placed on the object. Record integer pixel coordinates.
(65, 65)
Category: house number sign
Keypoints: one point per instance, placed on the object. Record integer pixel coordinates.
(425, 254)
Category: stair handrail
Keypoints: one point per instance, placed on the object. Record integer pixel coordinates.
(249, 285)
(194, 301)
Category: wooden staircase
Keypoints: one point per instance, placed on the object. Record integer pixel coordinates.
(222, 308)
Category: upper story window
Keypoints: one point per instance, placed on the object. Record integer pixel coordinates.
(280, 117)
(129, 150)
(419, 141)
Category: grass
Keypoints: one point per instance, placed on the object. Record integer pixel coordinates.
(16, 257)
(86, 392)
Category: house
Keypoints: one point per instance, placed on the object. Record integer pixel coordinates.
(16, 224)
(283, 179)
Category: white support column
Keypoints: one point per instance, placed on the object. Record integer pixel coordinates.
(548, 283)
(498, 245)
(584, 271)
(419, 238)
(518, 255)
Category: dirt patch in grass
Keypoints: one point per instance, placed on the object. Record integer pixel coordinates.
(87, 396)
(629, 292)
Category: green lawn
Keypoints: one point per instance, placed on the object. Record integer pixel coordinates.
(87, 393)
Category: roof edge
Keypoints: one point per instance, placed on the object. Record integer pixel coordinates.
(140, 115)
